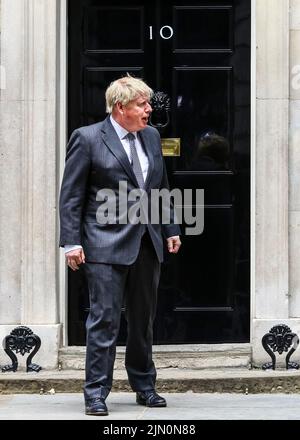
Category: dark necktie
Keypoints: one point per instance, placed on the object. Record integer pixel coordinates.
(135, 162)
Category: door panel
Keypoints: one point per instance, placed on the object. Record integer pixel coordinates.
(198, 53)
(213, 25)
(100, 35)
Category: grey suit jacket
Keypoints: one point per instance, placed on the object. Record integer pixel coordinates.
(96, 159)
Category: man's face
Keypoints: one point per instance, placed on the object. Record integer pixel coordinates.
(135, 115)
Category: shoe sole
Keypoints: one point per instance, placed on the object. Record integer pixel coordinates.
(158, 405)
(100, 413)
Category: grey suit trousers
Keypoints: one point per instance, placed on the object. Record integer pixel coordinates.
(110, 286)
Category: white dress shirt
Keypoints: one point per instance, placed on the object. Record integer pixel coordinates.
(122, 133)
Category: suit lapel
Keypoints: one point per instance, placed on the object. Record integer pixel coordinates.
(146, 141)
(113, 142)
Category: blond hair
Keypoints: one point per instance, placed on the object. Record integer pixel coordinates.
(124, 90)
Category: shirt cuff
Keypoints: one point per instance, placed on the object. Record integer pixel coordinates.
(72, 247)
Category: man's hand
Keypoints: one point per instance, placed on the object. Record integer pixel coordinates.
(174, 244)
(75, 258)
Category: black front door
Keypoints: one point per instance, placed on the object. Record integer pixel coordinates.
(198, 54)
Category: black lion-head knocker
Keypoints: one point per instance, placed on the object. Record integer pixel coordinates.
(161, 105)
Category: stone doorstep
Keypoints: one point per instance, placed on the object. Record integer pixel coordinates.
(204, 368)
(221, 380)
(172, 356)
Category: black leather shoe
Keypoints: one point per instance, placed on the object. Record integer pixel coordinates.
(150, 398)
(96, 407)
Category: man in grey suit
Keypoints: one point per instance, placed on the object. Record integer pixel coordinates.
(121, 259)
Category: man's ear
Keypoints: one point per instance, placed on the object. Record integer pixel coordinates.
(120, 107)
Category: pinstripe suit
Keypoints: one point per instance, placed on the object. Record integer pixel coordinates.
(121, 265)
